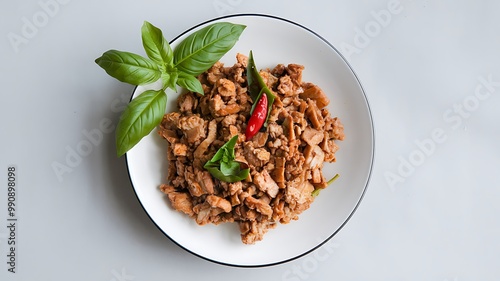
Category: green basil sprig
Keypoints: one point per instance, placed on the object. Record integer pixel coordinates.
(223, 166)
(257, 87)
(194, 55)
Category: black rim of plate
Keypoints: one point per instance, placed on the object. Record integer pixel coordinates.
(371, 159)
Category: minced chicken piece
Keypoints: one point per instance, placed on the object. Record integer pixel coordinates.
(285, 158)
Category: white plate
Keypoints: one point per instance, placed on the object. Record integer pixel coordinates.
(273, 41)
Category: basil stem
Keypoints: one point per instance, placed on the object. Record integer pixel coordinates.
(317, 190)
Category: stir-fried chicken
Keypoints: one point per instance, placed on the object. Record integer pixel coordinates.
(285, 158)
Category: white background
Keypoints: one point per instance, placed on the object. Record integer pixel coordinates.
(431, 72)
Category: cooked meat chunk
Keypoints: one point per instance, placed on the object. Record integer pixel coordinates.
(229, 120)
(219, 202)
(255, 156)
(193, 128)
(206, 182)
(180, 149)
(187, 102)
(295, 72)
(260, 139)
(266, 184)
(203, 147)
(274, 130)
(279, 170)
(193, 186)
(338, 130)
(286, 86)
(312, 136)
(215, 73)
(182, 202)
(268, 78)
(219, 108)
(260, 205)
(242, 59)
(285, 158)
(314, 115)
(226, 88)
(314, 156)
(315, 93)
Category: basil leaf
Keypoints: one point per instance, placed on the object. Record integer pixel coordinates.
(222, 151)
(222, 165)
(155, 45)
(211, 165)
(216, 173)
(253, 79)
(190, 83)
(270, 101)
(128, 67)
(257, 87)
(200, 50)
(216, 158)
(140, 117)
(230, 168)
(194, 55)
(230, 146)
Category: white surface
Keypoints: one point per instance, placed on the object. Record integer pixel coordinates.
(330, 211)
(421, 60)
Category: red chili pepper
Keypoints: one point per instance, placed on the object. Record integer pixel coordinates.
(258, 117)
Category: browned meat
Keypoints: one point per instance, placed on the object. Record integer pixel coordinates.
(255, 156)
(299, 191)
(268, 78)
(274, 130)
(219, 108)
(229, 120)
(182, 202)
(312, 136)
(179, 149)
(242, 60)
(260, 205)
(265, 183)
(193, 127)
(279, 170)
(314, 156)
(187, 102)
(215, 73)
(285, 158)
(206, 182)
(193, 186)
(286, 87)
(260, 139)
(295, 72)
(288, 128)
(315, 93)
(219, 202)
(226, 88)
(338, 130)
(203, 147)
